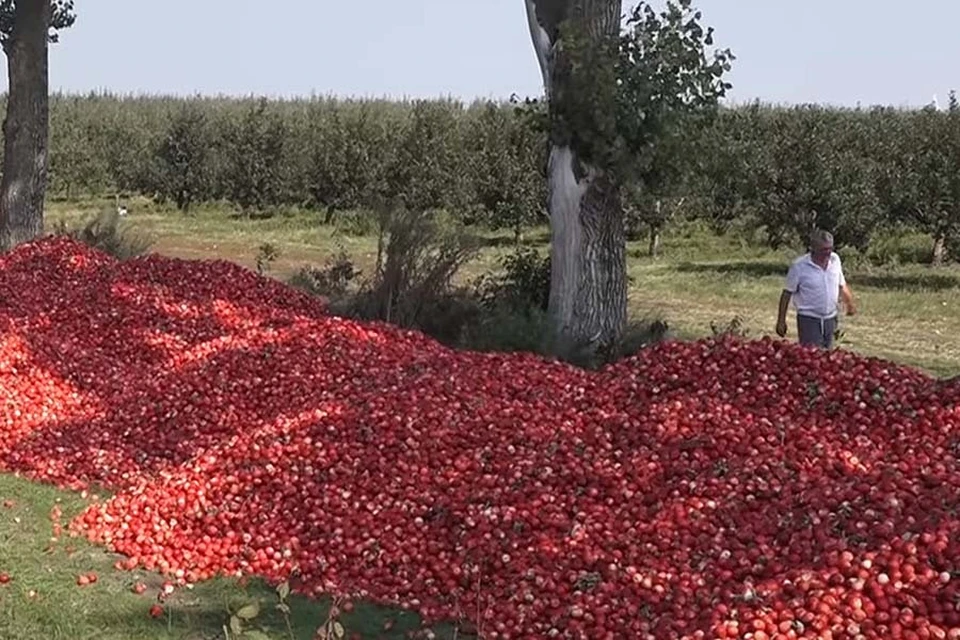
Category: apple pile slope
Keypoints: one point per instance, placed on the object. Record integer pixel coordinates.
(698, 490)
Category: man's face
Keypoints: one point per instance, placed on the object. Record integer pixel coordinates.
(822, 252)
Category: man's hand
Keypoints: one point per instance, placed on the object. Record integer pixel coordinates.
(851, 309)
(781, 327)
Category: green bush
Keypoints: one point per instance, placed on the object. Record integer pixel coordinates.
(355, 222)
(419, 253)
(896, 248)
(733, 328)
(106, 233)
(514, 317)
(503, 329)
(451, 317)
(523, 283)
(334, 281)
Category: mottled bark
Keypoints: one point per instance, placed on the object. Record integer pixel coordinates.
(588, 291)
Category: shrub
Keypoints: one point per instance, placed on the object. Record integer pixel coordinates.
(901, 247)
(412, 287)
(332, 281)
(418, 254)
(356, 222)
(637, 335)
(452, 317)
(105, 233)
(523, 284)
(267, 254)
(506, 330)
(640, 334)
(734, 328)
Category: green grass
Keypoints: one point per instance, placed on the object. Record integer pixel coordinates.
(44, 602)
(909, 314)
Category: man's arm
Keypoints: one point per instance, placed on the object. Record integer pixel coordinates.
(847, 296)
(790, 287)
(782, 314)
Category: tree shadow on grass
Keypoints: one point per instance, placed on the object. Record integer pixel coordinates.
(202, 613)
(253, 215)
(535, 239)
(912, 282)
(915, 283)
(757, 269)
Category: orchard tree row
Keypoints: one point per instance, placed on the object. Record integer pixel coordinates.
(851, 171)
(783, 170)
(484, 161)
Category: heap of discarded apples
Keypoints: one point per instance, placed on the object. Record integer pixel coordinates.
(705, 490)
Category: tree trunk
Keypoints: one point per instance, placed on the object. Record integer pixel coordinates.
(939, 250)
(588, 292)
(517, 236)
(654, 250)
(26, 126)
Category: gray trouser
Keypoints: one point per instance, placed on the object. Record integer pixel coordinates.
(815, 331)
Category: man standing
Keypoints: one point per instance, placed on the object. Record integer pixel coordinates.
(815, 283)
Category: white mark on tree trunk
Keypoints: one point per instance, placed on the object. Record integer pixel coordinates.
(541, 44)
(566, 195)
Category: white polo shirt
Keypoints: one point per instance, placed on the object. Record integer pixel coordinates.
(815, 291)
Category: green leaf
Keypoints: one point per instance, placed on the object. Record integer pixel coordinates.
(255, 634)
(338, 630)
(249, 612)
(236, 626)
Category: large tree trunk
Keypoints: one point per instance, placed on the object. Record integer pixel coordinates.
(588, 292)
(26, 126)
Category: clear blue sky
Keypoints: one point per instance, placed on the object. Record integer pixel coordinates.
(835, 51)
